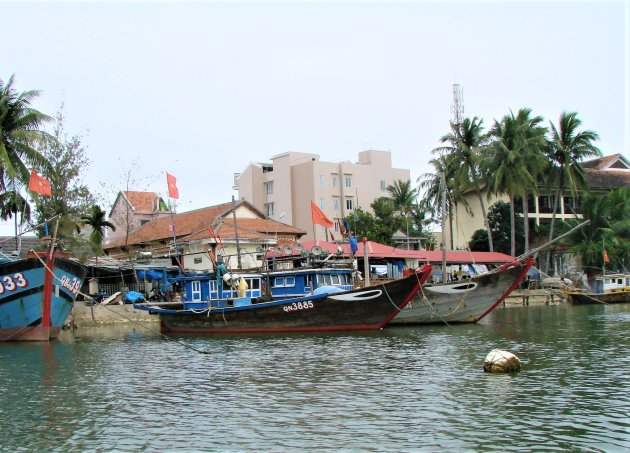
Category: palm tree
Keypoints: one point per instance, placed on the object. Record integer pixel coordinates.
(19, 127)
(96, 220)
(403, 195)
(566, 148)
(609, 227)
(514, 161)
(463, 152)
(431, 184)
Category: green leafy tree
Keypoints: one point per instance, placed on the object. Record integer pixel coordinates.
(96, 220)
(463, 153)
(609, 229)
(514, 161)
(500, 224)
(20, 127)
(567, 147)
(71, 199)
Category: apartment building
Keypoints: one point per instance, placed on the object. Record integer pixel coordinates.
(602, 175)
(284, 188)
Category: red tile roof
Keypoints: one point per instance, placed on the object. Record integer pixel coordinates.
(201, 223)
(377, 250)
(142, 201)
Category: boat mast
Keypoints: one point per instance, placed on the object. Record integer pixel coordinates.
(238, 247)
(443, 208)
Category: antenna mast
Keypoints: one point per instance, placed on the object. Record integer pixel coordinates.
(457, 109)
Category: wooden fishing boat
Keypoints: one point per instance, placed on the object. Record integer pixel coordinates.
(357, 309)
(609, 289)
(467, 300)
(36, 295)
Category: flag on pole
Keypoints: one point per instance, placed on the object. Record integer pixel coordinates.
(171, 180)
(318, 216)
(39, 184)
(606, 259)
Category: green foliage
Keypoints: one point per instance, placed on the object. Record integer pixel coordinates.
(70, 199)
(19, 128)
(96, 221)
(609, 228)
(499, 219)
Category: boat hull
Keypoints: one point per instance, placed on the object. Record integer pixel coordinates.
(359, 309)
(619, 297)
(463, 301)
(25, 315)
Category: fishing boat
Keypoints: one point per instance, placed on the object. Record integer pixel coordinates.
(236, 304)
(36, 295)
(607, 289)
(466, 300)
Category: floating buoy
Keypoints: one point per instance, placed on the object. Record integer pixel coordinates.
(499, 361)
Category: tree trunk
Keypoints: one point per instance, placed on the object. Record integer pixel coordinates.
(512, 227)
(553, 219)
(485, 220)
(526, 221)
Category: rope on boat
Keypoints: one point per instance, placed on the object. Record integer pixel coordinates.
(432, 309)
(136, 322)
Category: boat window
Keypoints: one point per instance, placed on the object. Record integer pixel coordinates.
(284, 281)
(334, 279)
(253, 283)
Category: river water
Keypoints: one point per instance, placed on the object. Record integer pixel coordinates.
(400, 389)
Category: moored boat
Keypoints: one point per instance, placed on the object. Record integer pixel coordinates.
(609, 289)
(368, 308)
(467, 300)
(36, 295)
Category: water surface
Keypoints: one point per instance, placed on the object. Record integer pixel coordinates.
(400, 389)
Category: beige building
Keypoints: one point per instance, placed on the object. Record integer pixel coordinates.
(602, 174)
(284, 188)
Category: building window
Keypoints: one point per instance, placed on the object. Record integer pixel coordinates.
(269, 209)
(269, 185)
(334, 181)
(545, 204)
(321, 203)
(348, 181)
(382, 185)
(197, 260)
(335, 204)
(321, 180)
(349, 204)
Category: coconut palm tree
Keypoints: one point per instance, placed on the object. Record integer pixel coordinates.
(514, 161)
(433, 192)
(463, 152)
(567, 146)
(403, 195)
(96, 220)
(19, 127)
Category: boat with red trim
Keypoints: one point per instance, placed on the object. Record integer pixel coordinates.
(36, 295)
(326, 309)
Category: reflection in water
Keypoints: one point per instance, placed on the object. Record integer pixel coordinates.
(405, 388)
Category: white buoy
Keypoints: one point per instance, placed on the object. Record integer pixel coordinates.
(499, 361)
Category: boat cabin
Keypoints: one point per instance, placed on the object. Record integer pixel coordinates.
(612, 283)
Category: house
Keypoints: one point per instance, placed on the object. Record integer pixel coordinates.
(284, 188)
(132, 209)
(235, 233)
(602, 175)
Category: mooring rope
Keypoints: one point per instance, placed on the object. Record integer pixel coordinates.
(163, 335)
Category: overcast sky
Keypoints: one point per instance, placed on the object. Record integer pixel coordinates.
(202, 89)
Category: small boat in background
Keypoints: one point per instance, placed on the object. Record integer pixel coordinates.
(325, 309)
(36, 295)
(466, 300)
(607, 289)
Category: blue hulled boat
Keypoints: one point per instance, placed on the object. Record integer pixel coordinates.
(36, 295)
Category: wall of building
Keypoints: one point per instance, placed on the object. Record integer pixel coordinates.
(299, 178)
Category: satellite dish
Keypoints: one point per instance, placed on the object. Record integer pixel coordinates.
(316, 250)
(287, 250)
(278, 249)
(298, 247)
